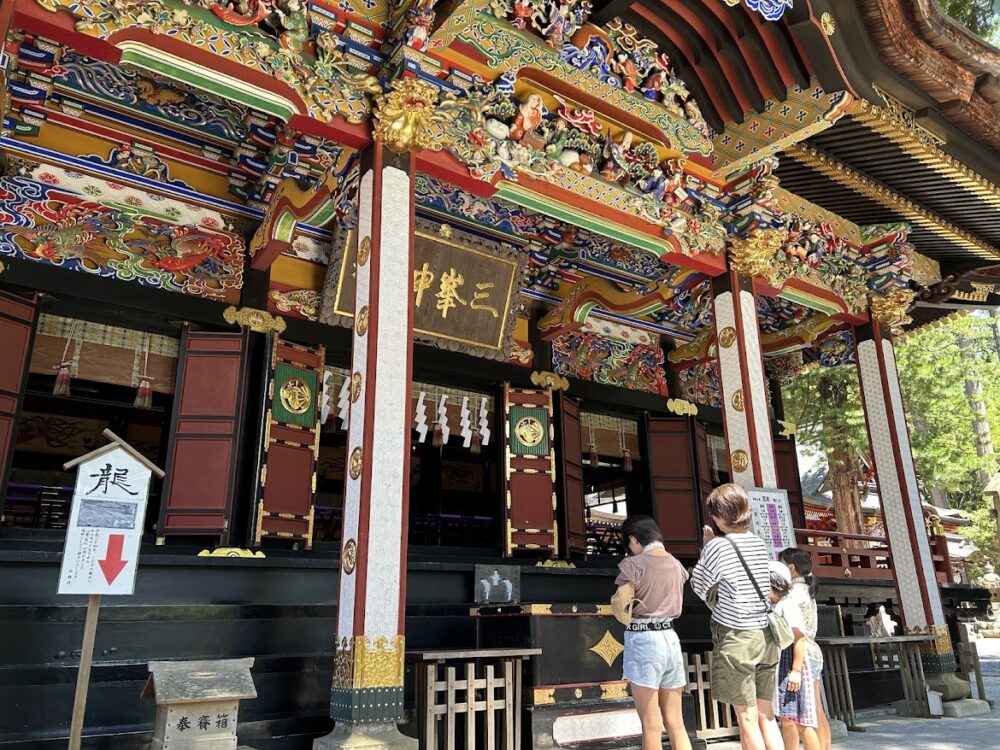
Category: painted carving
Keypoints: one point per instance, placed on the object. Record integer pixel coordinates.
(771, 10)
(594, 291)
(43, 223)
(279, 42)
(555, 20)
(638, 367)
(700, 384)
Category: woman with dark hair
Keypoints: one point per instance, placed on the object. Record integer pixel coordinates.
(653, 663)
(803, 594)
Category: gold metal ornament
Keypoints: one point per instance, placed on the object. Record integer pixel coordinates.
(295, 396)
(364, 250)
(258, 321)
(740, 461)
(612, 691)
(727, 337)
(357, 460)
(530, 431)
(550, 380)
(350, 556)
(361, 324)
(361, 662)
(608, 648)
(829, 23)
(355, 387)
(407, 116)
(682, 407)
(737, 400)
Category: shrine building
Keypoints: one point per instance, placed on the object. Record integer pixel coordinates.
(414, 302)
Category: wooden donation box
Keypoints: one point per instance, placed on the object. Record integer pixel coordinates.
(574, 692)
(197, 702)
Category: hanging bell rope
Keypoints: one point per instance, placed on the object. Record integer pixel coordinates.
(144, 393)
(65, 366)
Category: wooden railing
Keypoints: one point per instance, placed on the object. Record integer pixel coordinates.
(863, 558)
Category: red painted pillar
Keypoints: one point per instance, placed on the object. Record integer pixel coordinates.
(367, 695)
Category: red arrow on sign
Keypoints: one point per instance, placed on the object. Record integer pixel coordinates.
(112, 564)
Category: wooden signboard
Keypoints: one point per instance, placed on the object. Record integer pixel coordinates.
(569, 441)
(17, 328)
(205, 434)
(678, 460)
(460, 294)
(529, 471)
(772, 519)
(285, 502)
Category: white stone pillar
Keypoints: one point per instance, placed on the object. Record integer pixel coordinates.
(902, 511)
(367, 694)
(743, 385)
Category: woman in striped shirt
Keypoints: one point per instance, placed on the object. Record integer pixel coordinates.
(731, 577)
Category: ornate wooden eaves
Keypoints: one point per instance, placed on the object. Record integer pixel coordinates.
(899, 126)
(853, 180)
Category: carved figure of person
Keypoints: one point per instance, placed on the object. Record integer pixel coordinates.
(625, 67)
(616, 158)
(654, 83)
(527, 121)
(559, 28)
(521, 14)
(654, 185)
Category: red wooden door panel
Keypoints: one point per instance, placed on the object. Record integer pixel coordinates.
(529, 471)
(670, 447)
(17, 331)
(205, 432)
(787, 463)
(572, 514)
(286, 491)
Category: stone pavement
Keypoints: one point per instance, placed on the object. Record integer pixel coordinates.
(897, 733)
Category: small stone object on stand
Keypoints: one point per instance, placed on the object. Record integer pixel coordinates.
(197, 702)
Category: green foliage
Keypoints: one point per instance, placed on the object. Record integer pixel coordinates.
(932, 373)
(933, 365)
(981, 17)
(824, 403)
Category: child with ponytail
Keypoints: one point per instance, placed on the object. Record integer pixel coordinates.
(803, 593)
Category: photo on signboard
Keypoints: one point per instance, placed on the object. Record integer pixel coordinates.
(107, 514)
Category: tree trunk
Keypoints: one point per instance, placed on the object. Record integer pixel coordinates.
(844, 480)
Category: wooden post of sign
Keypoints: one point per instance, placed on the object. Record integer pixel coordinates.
(83, 675)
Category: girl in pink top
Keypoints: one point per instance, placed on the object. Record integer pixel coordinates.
(653, 663)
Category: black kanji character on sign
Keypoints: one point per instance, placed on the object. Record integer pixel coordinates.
(204, 722)
(222, 721)
(183, 723)
(105, 480)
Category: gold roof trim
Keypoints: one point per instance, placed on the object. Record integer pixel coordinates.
(859, 183)
(923, 147)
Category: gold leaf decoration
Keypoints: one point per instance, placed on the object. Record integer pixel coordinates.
(891, 309)
(259, 321)
(754, 254)
(550, 380)
(406, 116)
(608, 648)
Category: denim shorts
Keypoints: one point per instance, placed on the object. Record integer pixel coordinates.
(653, 659)
(816, 669)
